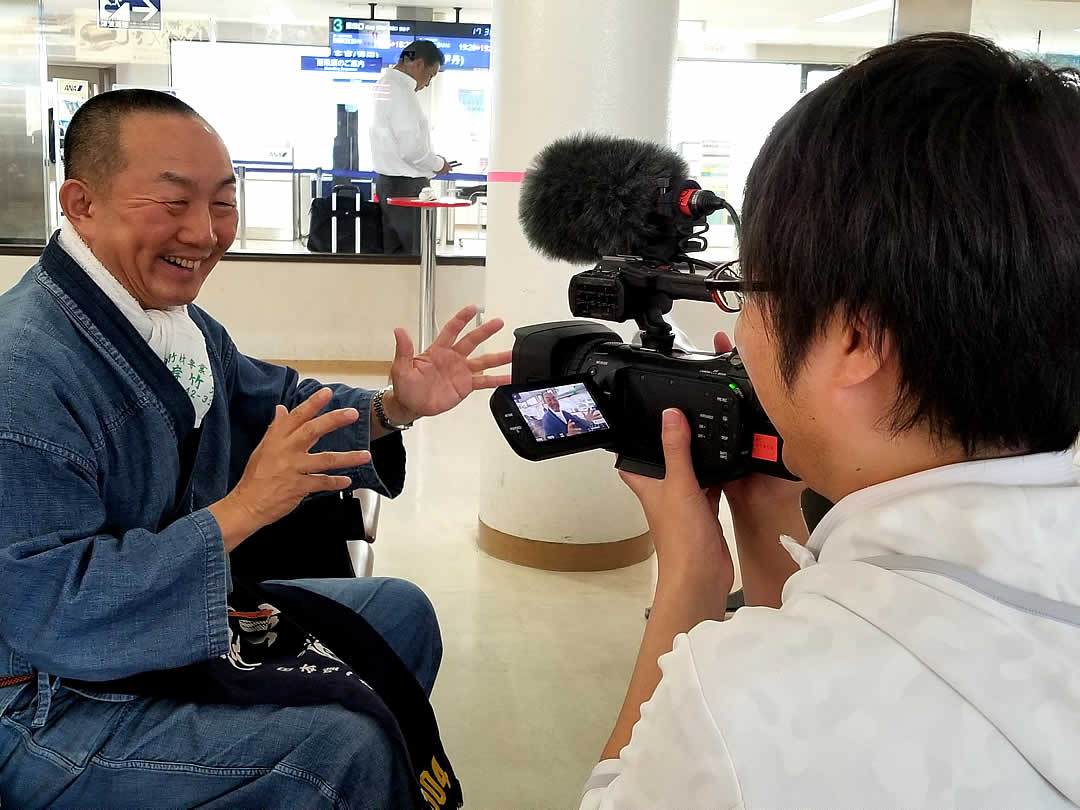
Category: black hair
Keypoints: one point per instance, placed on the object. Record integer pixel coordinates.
(92, 150)
(932, 190)
(425, 50)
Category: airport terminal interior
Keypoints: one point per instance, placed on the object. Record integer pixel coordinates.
(541, 572)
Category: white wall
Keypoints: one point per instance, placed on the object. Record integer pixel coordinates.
(328, 311)
(287, 105)
(322, 311)
(256, 96)
(12, 269)
(139, 74)
(700, 321)
(735, 104)
(316, 311)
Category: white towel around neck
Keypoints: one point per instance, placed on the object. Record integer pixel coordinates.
(170, 333)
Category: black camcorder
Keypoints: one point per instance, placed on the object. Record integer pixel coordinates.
(619, 391)
(576, 386)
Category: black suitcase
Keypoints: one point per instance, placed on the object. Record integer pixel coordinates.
(353, 215)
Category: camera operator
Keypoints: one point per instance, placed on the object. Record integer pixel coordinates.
(913, 227)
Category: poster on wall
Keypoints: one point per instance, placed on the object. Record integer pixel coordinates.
(140, 15)
(69, 95)
(122, 46)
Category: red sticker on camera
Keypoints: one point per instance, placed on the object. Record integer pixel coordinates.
(766, 448)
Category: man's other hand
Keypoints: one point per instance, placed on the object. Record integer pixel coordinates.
(440, 377)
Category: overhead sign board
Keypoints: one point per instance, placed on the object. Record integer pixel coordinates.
(465, 46)
(139, 15)
(342, 64)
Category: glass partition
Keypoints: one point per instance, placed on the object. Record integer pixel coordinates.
(297, 127)
(294, 118)
(23, 131)
(740, 68)
(1048, 30)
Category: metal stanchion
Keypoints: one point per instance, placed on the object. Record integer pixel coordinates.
(333, 221)
(241, 201)
(297, 226)
(427, 277)
(448, 224)
(428, 235)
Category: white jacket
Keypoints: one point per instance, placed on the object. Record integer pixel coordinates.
(926, 655)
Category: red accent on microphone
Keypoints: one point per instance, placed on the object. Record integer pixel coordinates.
(684, 201)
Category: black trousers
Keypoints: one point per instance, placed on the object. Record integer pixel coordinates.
(401, 226)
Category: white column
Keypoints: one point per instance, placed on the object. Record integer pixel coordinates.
(912, 17)
(561, 66)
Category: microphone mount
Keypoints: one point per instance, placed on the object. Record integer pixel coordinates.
(644, 287)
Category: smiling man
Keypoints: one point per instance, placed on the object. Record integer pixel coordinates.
(138, 447)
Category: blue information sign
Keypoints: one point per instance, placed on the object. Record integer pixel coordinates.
(139, 15)
(466, 46)
(341, 64)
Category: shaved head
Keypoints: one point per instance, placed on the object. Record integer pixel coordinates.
(93, 151)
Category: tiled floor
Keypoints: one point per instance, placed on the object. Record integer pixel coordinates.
(536, 663)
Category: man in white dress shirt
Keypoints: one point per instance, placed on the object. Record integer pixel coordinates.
(401, 149)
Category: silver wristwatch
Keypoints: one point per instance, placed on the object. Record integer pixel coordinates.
(380, 413)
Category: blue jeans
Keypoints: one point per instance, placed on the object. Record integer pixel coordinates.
(142, 752)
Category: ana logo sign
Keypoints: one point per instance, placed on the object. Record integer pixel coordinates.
(142, 15)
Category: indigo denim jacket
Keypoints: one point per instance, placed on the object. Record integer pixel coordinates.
(110, 563)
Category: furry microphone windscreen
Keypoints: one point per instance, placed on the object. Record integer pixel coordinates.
(591, 195)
